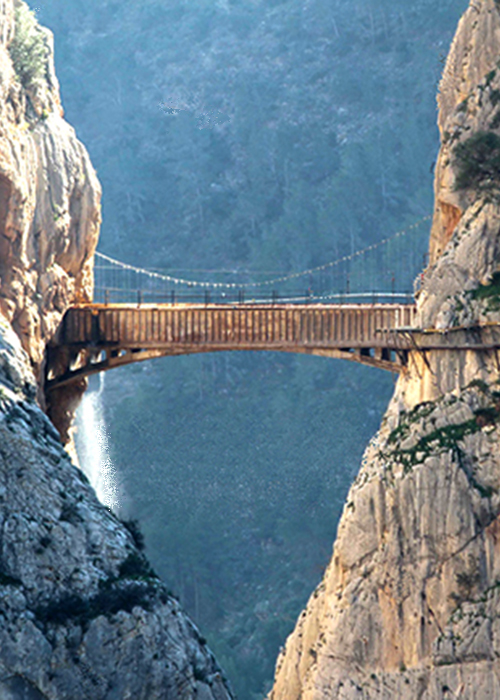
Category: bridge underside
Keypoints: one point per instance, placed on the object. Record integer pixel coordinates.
(86, 361)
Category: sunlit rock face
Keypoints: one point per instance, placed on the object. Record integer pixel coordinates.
(410, 604)
(82, 615)
(465, 107)
(49, 197)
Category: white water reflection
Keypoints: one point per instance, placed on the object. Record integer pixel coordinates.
(92, 446)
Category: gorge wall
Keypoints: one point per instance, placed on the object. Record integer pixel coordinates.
(49, 199)
(82, 614)
(409, 606)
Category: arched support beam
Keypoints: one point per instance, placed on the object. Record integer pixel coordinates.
(121, 358)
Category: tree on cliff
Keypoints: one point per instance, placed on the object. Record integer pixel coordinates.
(27, 49)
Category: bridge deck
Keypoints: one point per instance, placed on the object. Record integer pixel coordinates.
(234, 326)
(114, 335)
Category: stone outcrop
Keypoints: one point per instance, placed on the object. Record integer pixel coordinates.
(409, 606)
(82, 614)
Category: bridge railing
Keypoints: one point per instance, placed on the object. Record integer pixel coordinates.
(381, 272)
(114, 295)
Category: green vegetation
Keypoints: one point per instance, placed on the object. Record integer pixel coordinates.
(135, 585)
(57, 213)
(407, 419)
(7, 580)
(495, 122)
(108, 602)
(134, 528)
(137, 568)
(489, 293)
(70, 514)
(477, 161)
(28, 50)
(467, 582)
(435, 443)
(490, 77)
(481, 385)
(495, 97)
(444, 439)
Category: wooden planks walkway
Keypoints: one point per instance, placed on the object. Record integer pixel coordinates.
(234, 327)
(98, 337)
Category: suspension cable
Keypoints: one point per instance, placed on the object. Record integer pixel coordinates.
(284, 278)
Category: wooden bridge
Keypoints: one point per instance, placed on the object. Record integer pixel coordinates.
(97, 337)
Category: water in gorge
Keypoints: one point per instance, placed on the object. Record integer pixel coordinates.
(92, 445)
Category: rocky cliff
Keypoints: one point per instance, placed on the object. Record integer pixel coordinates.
(409, 606)
(49, 197)
(82, 614)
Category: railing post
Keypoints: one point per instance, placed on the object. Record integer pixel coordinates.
(139, 297)
(172, 296)
(241, 296)
(275, 296)
(207, 297)
(106, 297)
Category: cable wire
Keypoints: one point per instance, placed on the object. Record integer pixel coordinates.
(266, 283)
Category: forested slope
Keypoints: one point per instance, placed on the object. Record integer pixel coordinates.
(268, 136)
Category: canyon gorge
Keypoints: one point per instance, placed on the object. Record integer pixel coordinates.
(409, 605)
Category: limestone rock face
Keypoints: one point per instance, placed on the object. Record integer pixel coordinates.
(467, 105)
(82, 615)
(409, 606)
(49, 197)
